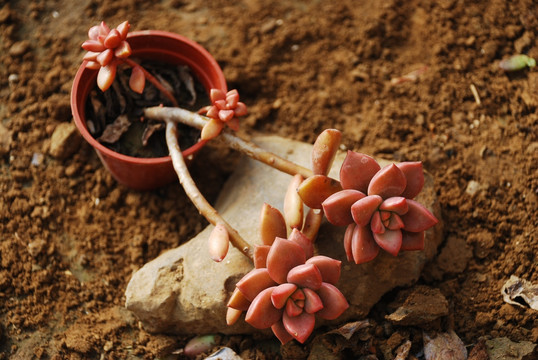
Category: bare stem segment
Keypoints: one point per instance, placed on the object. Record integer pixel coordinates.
(171, 114)
(194, 194)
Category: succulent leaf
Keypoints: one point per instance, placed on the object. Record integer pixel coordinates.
(300, 327)
(334, 303)
(93, 45)
(390, 241)
(387, 182)
(281, 293)
(312, 222)
(292, 309)
(272, 224)
(284, 256)
(328, 267)
(137, 81)
(357, 170)
(414, 175)
(305, 242)
(260, 256)
(254, 282)
(218, 243)
(347, 241)
(363, 245)
(395, 204)
(261, 313)
(324, 150)
(106, 75)
(238, 301)
(113, 39)
(241, 109)
(226, 115)
(418, 218)
(216, 95)
(123, 50)
(315, 189)
(293, 205)
(313, 302)
(281, 333)
(211, 129)
(337, 207)
(376, 223)
(232, 315)
(305, 276)
(363, 209)
(123, 29)
(394, 222)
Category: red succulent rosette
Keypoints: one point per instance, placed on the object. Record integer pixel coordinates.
(106, 49)
(225, 111)
(376, 204)
(288, 288)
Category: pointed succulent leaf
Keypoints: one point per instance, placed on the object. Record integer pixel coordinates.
(315, 189)
(93, 65)
(313, 302)
(241, 109)
(414, 175)
(106, 76)
(211, 129)
(103, 29)
(298, 295)
(412, 241)
(123, 50)
(238, 301)
(334, 303)
(292, 309)
(91, 56)
(217, 94)
(233, 123)
(363, 245)
(260, 256)
(394, 222)
(219, 241)
(284, 256)
(113, 39)
(293, 205)
(397, 204)
(347, 241)
(232, 315)
(328, 267)
(137, 81)
(324, 150)
(281, 333)
(232, 98)
(418, 218)
(272, 224)
(105, 57)
(93, 45)
(300, 327)
(376, 224)
(305, 276)
(337, 207)
(212, 112)
(298, 237)
(220, 104)
(226, 115)
(363, 209)
(93, 33)
(387, 182)
(390, 241)
(123, 29)
(281, 294)
(357, 170)
(261, 313)
(312, 222)
(254, 282)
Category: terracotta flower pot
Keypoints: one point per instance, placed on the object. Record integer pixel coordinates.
(146, 173)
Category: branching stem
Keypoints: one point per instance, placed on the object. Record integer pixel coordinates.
(170, 114)
(194, 194)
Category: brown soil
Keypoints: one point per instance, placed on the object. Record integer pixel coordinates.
(70, 236)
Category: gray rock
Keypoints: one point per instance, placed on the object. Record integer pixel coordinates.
(184, 292)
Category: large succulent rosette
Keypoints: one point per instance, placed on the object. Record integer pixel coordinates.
(376, 204)
(288, 288)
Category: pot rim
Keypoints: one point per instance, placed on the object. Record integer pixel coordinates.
(81, 125)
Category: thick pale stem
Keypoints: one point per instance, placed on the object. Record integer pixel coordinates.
(154, 81)
(194, 194)
(246, 147)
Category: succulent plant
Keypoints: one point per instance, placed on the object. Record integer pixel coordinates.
(288, 288)
(224, 110)
(376, 204)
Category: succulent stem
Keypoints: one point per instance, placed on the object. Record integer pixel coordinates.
(196, 196)
(246, 147)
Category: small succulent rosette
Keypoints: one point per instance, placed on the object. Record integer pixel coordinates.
(288, 289)
(224, 111)
(376, 206)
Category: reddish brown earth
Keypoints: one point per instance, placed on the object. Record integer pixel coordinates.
(70, 236)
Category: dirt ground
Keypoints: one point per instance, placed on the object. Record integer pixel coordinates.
(70, 236)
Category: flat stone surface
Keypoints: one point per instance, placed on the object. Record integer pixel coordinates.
(184, 292)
